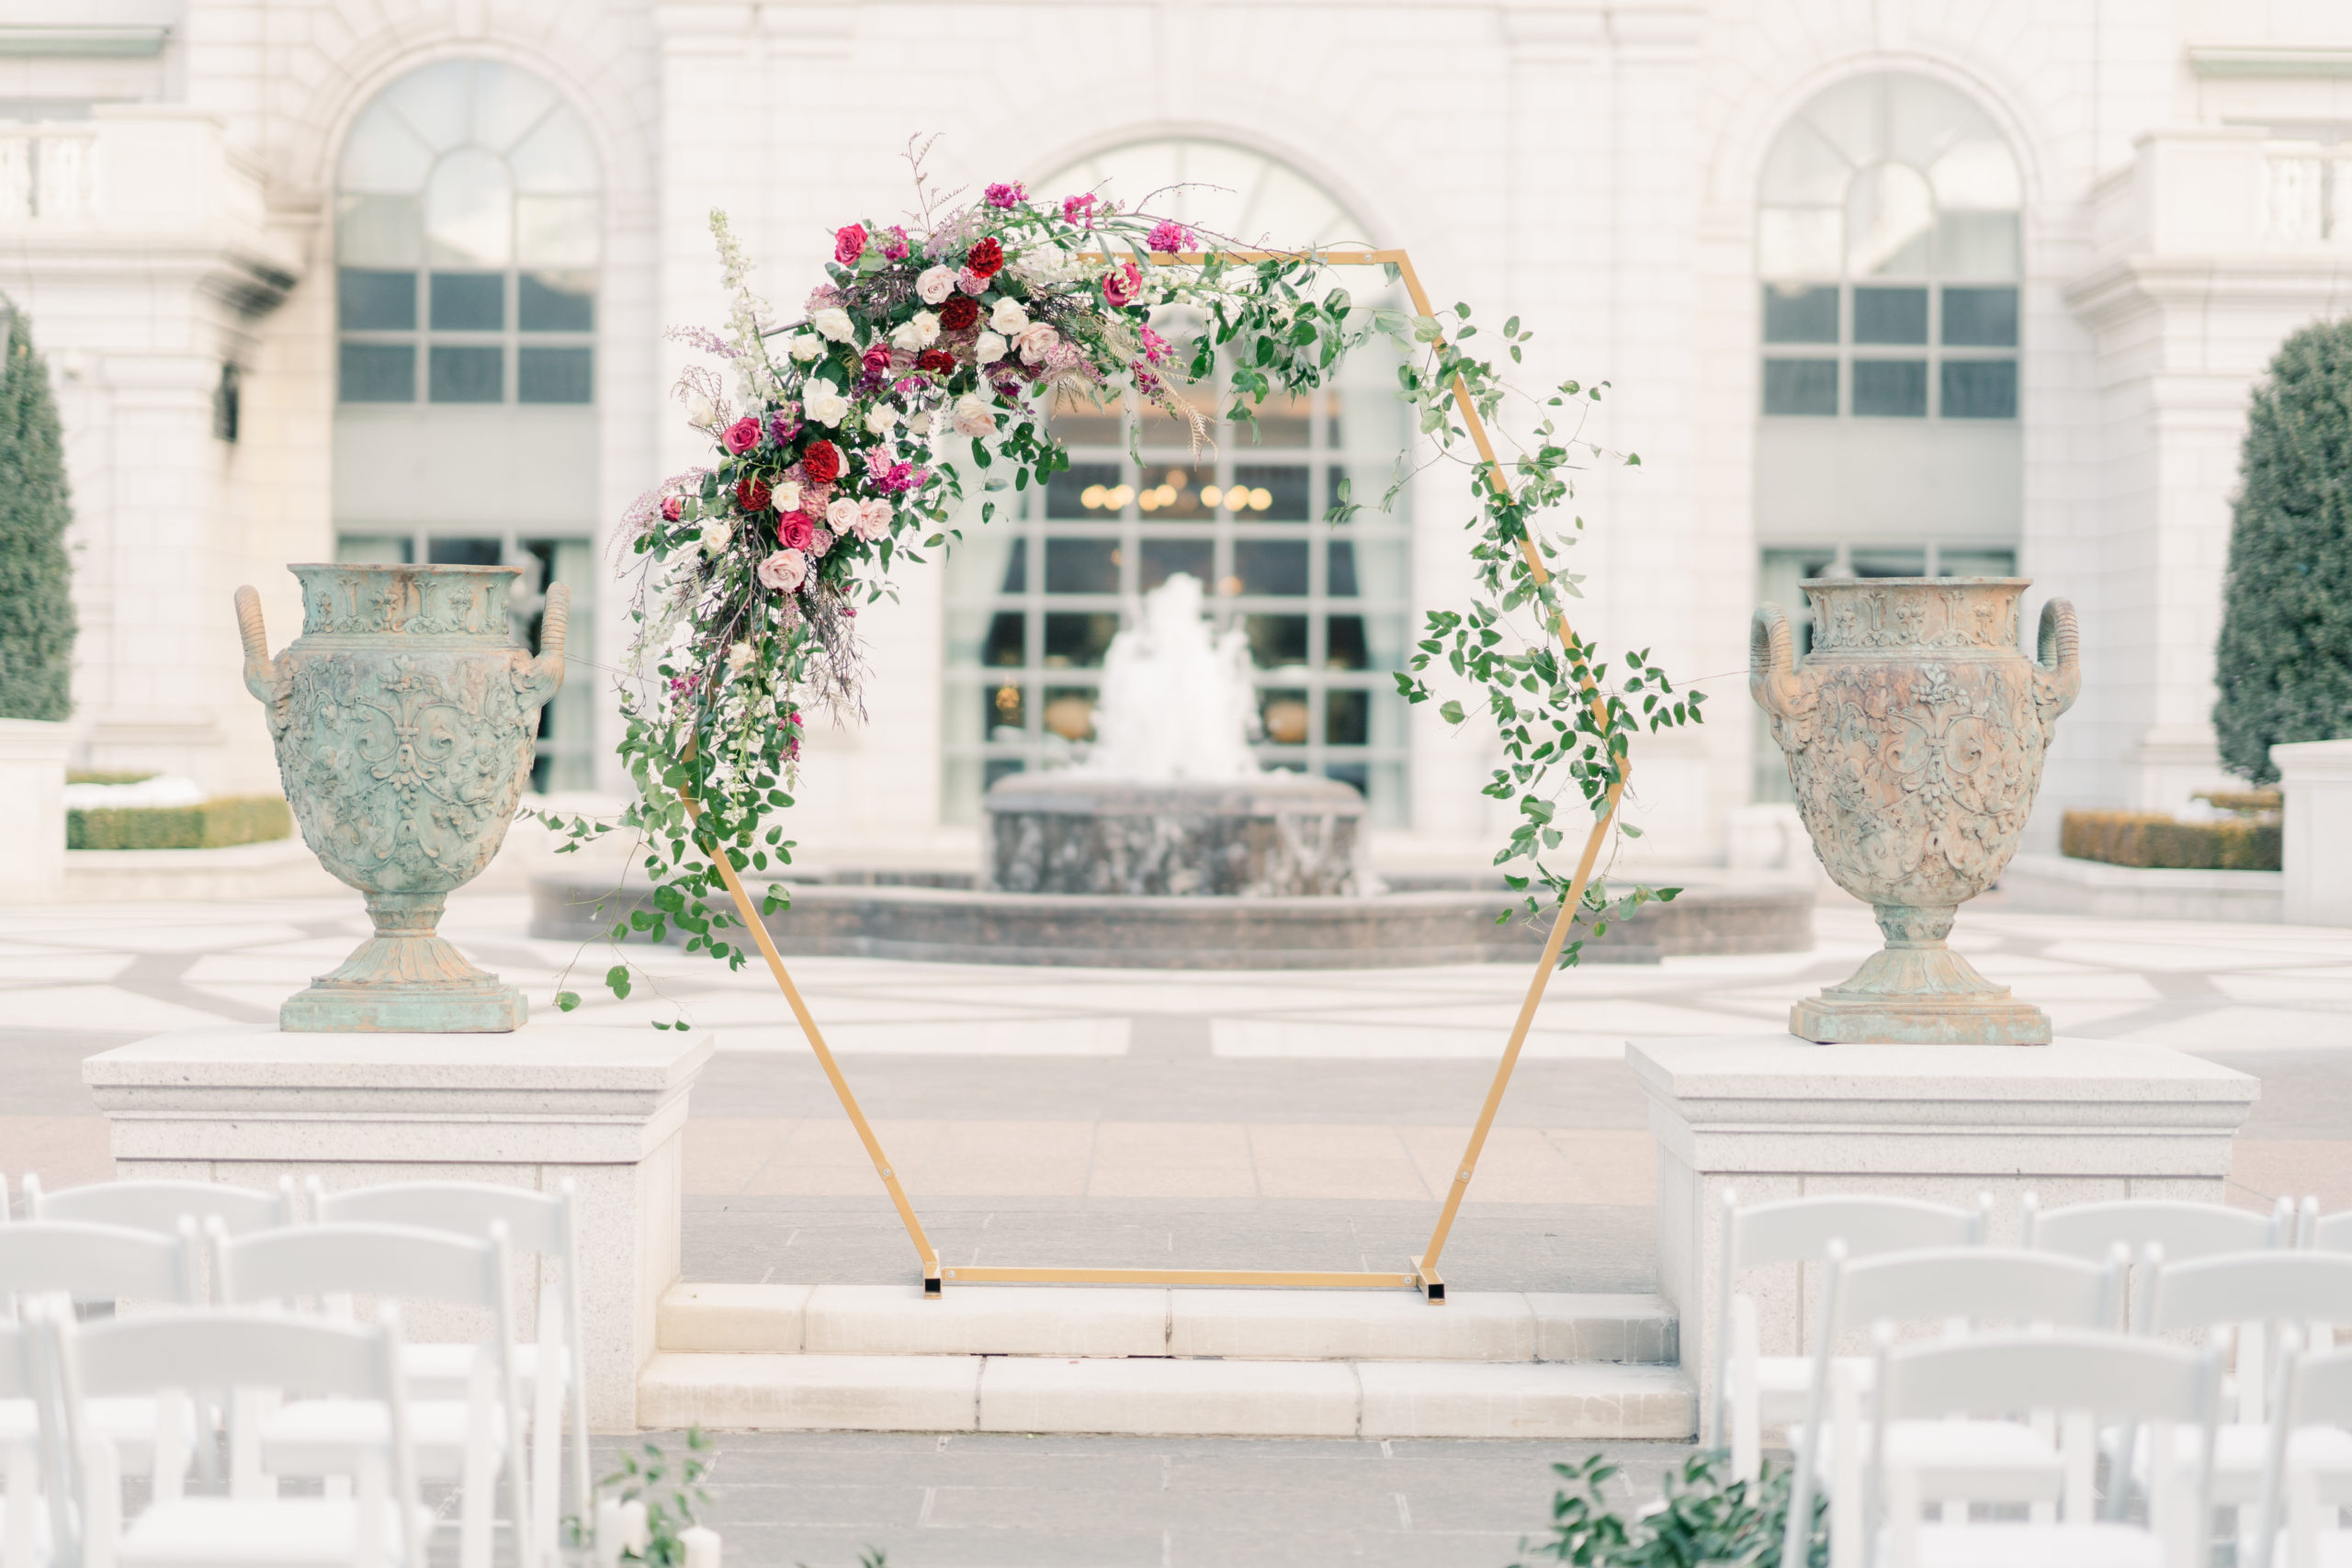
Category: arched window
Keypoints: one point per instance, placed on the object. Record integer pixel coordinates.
(1887, 242)
(466, 242)
(1035, 598)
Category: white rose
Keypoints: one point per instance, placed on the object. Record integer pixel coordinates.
(973, 415)
(935, 285)
(701, 410)
(1035, 340)
(835, 323)
(842, 515)
(881, 418)
(919, 423)
(786, 496)
(1008, 317)
(988, 350)
(821, 402)
(738, 659)
(873, 520)
(917, 333)
(806, 346)
(714, 534)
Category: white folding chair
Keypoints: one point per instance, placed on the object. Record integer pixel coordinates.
(158, 1205)
(1965, 1288)
(2080, 1378)
(2250, 1296)
(466, 1439)
(2184, 1230)
(92, 1264)
(545, 1226)
(1751, 1388)
(2328, 1233)
(30, 1516)
(155, 1356)
(2302, 1501)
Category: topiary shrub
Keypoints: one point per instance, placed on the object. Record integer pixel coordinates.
(2154, 839)
(215, 824)
(2284, 662)
(36, 601)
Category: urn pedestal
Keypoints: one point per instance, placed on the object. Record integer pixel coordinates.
(405, 718)
(1915, 728)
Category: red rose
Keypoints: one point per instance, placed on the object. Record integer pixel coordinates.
(796, 530)
(936, 360)
(849, 243)
(672, 509)
(877, 360)
(959, 312)
(821, 462)
(986, 258)
(742, 436)
(751, 492)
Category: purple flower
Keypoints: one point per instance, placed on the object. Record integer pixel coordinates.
(1007, 196)
(783, 427)
(1080, 210)
(1171, 236)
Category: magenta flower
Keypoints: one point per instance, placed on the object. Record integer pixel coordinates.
(1154, 347)
(743, 435)
(1007, 196)
(849, 243)
(896, 246)
(783, 427)
(1080, 210)
(1121, 288)
(1169, 236)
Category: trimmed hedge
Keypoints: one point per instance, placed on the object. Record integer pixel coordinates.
(215, 824)
(2154, 838)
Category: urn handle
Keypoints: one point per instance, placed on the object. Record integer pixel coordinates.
(264, 676)
(1778, 687)
(2058, 674)
(544, 675)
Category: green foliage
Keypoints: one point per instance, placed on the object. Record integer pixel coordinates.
(2284, 660)
(36, 601)
(670, 1495)
(215, 824)
(1705, 1519)
(2154, 839)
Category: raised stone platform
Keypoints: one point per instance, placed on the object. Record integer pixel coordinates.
(1276, 835)
(1767, 913)
(1203, 1362)
(2060, 885)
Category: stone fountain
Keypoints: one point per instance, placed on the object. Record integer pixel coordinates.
(1169, 802)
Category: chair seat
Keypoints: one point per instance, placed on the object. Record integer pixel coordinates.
(1975, 1460)
(1783, 1381)
(327, 1436)
(127, 1424)
(2240, 1451)
(36, 1510)
(1996, 1545)
(226, 1532)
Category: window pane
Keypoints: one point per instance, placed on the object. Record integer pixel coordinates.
(1890, 315)
(1163, 558)
(554, 303)
(1801, 386)
(1004, 645)
(1890, 219)
(1276, 641)
(1890, 563)
(556, 231)
(1004, 714)
(374, 550)
(1799, 242)
(1977, 244)
(1981, 318)
(1081, 566)
(368, 301)
(469, 301)
(1340, 574)
(554, 376)
(468, 375)
(1074, 642)
(1277, 492)
(1976, 563)
(1174, 494)
(1016, 569)
(469, 211)
(1283, 713)
(1980, 388)
(379, 373)
(1891, 387)
(1270, 566)
(1347, 717)
(1344, 644)
(1794, 314)
(380, 231)
(1084, 490)
(465, 552)
(1068, 712)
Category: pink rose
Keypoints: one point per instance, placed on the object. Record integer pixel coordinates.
(1034, 341)
(1121, 288)
(872, 523)
(842, 515)
(672, 509)
(742, 436)
(849, 243)
(784, 572)
(795, 529)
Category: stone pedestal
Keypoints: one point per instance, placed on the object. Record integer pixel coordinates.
(604, 1107)
(32, 806)
(2074, 1121)
(2315, 848)
(1268, 836)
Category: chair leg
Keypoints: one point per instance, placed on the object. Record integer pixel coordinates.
(476, 1505)
(23, 1503)
(1745, 1399)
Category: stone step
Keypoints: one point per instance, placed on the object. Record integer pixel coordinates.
(1334, 1325)
(1166, 1396)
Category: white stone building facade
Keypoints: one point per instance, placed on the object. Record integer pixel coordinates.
(1882, 286)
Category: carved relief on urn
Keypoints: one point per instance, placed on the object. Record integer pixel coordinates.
(1915, 729)
(404, 716)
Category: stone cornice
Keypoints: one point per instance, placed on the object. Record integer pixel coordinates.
(2267, 60)
(2115, 290)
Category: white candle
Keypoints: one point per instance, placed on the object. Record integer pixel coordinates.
(635, 1536)
(702, 1546)
(609, 1532)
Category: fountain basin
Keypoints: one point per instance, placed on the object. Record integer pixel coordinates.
(1267, 836)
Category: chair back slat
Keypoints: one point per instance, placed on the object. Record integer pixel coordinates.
(1796, 1230)
(2012, 1374)
(536, 1222)
(159, 1205)
(1979, 1283)
(309, 1356)
(2252, 1287)
(98, 1262)
(2322, 1384)
(397, 1261)
(2331, 1233)
(2184, 1230)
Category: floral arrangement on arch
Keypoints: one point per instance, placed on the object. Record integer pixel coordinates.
(919, 373)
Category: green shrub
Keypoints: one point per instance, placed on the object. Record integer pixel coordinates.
(36, 601)
(1704, 1519)
(2153, 838)
(2284, 660)
(83, 775)
(215, 824)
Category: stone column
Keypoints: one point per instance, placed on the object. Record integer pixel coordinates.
(2074, 1122)
(246, 1104)
(2317, 852)
(33, 802)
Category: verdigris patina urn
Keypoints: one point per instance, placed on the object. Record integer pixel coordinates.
(404, 718)
(1915, 728)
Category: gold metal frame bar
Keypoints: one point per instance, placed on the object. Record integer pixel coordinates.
(1424, 1275)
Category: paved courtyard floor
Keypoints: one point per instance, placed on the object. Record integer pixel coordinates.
(1063, 1116)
